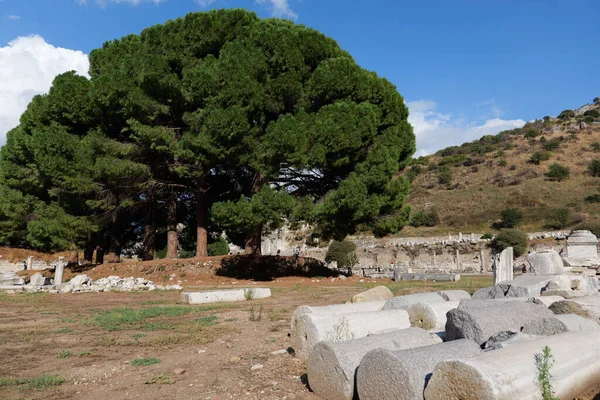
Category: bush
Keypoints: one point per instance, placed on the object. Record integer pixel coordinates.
(558, 172)
(589, 226)
(413, 172)
(487, 236)
(539, 156)
(566, 114)
(454, 159)
(594, 168)
(218, 248)
(560, 219)
(551, 144)
(596, 100)
(425, 218)
(344, 253)
(502, 163)
(510, 238)
(547, 118)
(511, 217)
(595, 146)
(532, 133)
(592, 113)
(444, 175)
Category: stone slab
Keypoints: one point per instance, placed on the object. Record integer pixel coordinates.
(428, 277)
(559, 324)
(375, 294)
(454, 295)
(216, 296)
(546, 262)
(404, 302)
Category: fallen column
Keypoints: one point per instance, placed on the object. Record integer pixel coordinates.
(404, 302)
(375, 294)
(479, 323)
(454, 295)
(215, 296)
(430, 316)
(510, 373)
(559, 324)
(310, 329)
(332, 366)
(337, 309)
(403, 374)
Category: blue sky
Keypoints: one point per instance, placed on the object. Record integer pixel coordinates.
(465, 67)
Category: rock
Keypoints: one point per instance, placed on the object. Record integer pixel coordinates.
(454, 295)
(430, 316)
(336, 309)
(402, 374)
(256, 367)
(510, 373)
(313, 328)
(179, 371)
(374, 294)
(490, 292)
(279, 352)
(235, 359)
(528, 285)
(546, 262)
(506, 339)
(569, 307)
(545, 300)
(66, 288)
(559, 324)
(480, 323)
(332, 367)
(37, 279)
(214, 296)
(79, 280)
(404, 302)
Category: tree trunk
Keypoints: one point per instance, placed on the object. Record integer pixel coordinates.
(88, 253)
(172, 239)
(100, 248)
(149, 243)
(114, 249)
(202, 223)
(253, 242)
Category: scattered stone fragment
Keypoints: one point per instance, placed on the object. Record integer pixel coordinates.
(374, 294)
(404, 302)
(454, 295)
(559, 324)
(256, 367)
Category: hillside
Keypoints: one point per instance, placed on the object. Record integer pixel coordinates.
(471, 184)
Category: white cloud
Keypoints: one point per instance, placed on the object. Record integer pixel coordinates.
(279, 8)
(103, 3)
(435, 131)
(28, 65)
(13, 17)
(205, 3)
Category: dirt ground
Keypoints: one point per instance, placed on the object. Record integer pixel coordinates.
(90, 343)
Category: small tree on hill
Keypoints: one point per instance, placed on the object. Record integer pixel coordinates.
(596, 100)
(511, 217)
(561, 217)
(425, 218)
(558, 172)
(344, 253)
(594, 168)
(510, 238)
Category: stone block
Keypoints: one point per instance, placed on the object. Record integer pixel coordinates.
(374, 294)
(336, 309)
(8, 278)
(559, 324)
(480, 323)
(545, 300)
(454, 295)
(37, 279)
(310, 329)
(503, 266)
(403, 374)
(216, 296)
(332, 367)
(528, 285)
(546, 262)
(404, 302)
(506, 339)
(510, 373)
(430, 316)
(79, 280)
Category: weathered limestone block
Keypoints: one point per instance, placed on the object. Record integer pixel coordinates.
(427, 277)
(480, 323)
(474, 303)
(332, 367)
(546, 262)
(454, 295)
(503, 266)
(559, 324)
(37, 279)
(58, 272)
(545, 300)
(79, 280)
(310, 329)
(10, 278)
(510, 373)
(404, 302)
(337, 309)
(374, 294)
(215, 296)
(403, 374)
(528, 286)
(430, 316)
(506, 339)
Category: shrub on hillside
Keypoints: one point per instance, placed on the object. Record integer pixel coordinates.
(510, 238)
(532, 133)
(344, 253)
(560, 218)
(539, 156)
(594, 168)
(454, 159)
(444, 175)
(566, 114)
(425, 218)
(596, 100)
(502, 163)
(218, 248)
(551, 144)
(595, 146)
(558, 172)
(414, 171)
(592, 113)
(593, 227)
(511, 218)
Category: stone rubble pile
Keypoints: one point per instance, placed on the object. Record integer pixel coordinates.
(447, 345)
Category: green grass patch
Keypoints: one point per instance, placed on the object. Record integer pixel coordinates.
(63, 330)
(207, 321)
(161, 379)
(63, 354)
(84, 353)
(144, 362)
(38, 382)
(155, 302)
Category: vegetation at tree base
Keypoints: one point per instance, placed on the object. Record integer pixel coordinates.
(511, 218)
(424, 217)
(510, 238)
(558, 172)
(218, 247)
(344, 253)
(219, 121)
